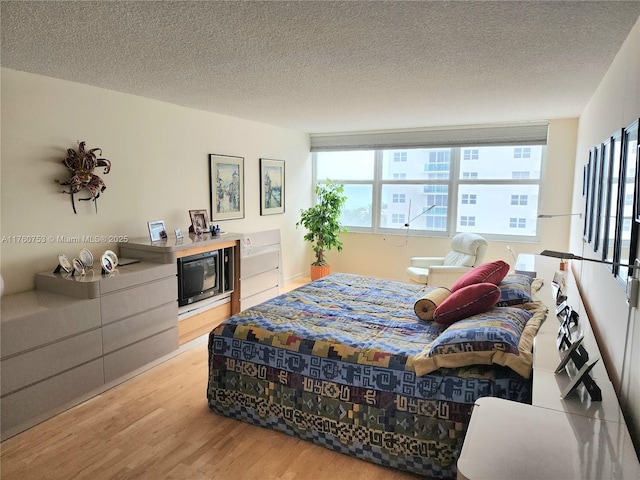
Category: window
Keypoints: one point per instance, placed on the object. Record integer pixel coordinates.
(519, 200)
(522, 152)
(470, 154)
(517, 222)
(388, 189)
(466, 221)
(468, 199)
(397, 218)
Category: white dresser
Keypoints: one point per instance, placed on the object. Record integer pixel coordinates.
(260, 267)
(554, 438)
(73, 336)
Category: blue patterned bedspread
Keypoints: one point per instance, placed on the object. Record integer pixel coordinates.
(331, 362)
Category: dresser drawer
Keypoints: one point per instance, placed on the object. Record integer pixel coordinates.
(259, 263)
(35, 365)
(259, 283)
(44, 318)
(28, 404)
(137, 274)
(258, 298)
(134, 356)
(133, 329)
(125, 303)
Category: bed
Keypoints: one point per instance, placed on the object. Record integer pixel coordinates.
(345, 362)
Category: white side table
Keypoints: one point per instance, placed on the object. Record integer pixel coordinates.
(509, 440)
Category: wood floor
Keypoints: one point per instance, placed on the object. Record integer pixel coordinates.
(158, 426)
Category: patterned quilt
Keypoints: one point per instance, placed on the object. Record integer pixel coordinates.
(332, 362)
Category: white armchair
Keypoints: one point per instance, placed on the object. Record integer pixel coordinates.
(467, 251)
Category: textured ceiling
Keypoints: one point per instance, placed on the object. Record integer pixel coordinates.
(330, 66)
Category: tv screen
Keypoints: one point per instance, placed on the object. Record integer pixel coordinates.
(197, 277)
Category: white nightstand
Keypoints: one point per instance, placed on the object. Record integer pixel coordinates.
(509, 440)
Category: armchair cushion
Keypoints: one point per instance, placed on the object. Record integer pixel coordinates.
(467, 250)
(426, 262)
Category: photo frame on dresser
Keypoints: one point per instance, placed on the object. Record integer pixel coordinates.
(575, 353)
(199, 221)
(583, 377)
(157, 231)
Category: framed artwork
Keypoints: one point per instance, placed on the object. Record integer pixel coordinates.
(595, 194)
(226, 187)
(271, 186)
(587, 196)
(605, 204)
(614, 201)
(199, 222)
(157, 231)
(627, 228)
(633, 160)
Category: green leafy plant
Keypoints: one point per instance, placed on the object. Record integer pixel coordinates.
(322, 221)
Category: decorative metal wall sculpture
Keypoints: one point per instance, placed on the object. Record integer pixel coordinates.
(82, 164)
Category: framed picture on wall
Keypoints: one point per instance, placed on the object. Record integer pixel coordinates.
(226, 187)
(271, 186)
(630, 150)
(600, 234)
(626, 235)
(586, 188)
(614, 199)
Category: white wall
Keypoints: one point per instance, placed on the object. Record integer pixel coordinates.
(614, 105)
(159, 154)
(388, 256)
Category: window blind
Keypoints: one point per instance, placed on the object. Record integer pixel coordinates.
(521, 134)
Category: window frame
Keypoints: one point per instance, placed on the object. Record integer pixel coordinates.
(453, 183)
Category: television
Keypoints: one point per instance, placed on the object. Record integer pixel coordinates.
(199, 277)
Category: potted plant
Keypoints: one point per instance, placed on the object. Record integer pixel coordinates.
(322, 222)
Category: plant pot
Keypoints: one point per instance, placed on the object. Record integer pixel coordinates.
(319, 271)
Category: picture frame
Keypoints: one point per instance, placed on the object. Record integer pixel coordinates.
(63, 264)
(587, 197)
(199, 221)
(157, 231)
(583, 377)
(226, 187)
(596, 178)
(108, 265)
(272, 186)
(573, 352)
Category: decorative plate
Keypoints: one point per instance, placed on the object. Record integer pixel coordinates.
(87, 257)
(64, 262)
(107, 262)
(78, 266)
(112, 256)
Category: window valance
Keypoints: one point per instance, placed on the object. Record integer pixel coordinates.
(512, 134)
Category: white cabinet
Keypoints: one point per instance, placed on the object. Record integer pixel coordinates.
(51, 354)
(72, 336)
(260, 267)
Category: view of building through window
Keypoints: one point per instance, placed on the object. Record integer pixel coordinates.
(488, 189)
